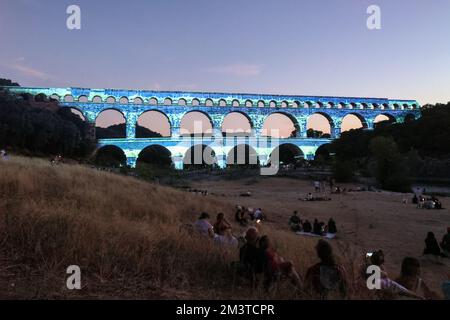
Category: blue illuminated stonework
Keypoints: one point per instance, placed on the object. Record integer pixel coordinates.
(256, 107)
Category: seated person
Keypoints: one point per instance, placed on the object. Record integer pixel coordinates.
(203, 226)
(445, 244)
(258, 215)
(432, 246)
(275, 266)
(227, 239)
(221, 224)
(250, 258)
(317, 228)
(295, 223)
(327, 276)
(307, 227)
(415, 199)
(309, 197)
(332, 226)
(411, 280)
(387, 285)
(240, 216)
(437, 204)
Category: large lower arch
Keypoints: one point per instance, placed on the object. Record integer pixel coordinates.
(196, 123)
(110, 156)
(320, 125)
(287, 153)
(237, 123)
(280, 125)
(323, 153)
(154, 155)
(153, 124)
(353, 121)
(244, 155)
(110, 124)
(199, 156)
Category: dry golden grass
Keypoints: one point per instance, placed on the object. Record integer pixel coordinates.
(125, 236)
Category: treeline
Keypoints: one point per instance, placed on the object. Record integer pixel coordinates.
(395, 152)
(42, 129)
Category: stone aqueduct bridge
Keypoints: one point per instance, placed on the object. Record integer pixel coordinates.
(256, 107)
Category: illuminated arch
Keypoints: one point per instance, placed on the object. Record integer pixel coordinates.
(222, 103)
(104, 130)
(123, 100)
(154, 155)
(199, 155)
(192, 131)
(242, 154)
(235, 103)
(76, 111)
(138, 100)
(110, 100)
(168, 101)
(153, 101)
(83, 99)
(239, 131)
(248, 103)
(68, 98)
(195, 102)
(327, 126)
(97, 99)
(110, 156)
(295, 126)
(182, 102)
(209, 103)
(288, 153)
(164, 124)
(261, 104)
(355, 116)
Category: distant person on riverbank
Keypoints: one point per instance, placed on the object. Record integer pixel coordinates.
(432, 246)
(3, 154)
(332, 226)
(295, 223)
(307, 227)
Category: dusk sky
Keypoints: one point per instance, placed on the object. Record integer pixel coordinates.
(320, 47)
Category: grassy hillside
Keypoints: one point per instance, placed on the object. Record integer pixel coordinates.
(123, 233)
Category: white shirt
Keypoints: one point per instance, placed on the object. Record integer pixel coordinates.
(203, 226)
(226, 241)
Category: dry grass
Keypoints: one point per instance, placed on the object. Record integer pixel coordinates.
(124, 234)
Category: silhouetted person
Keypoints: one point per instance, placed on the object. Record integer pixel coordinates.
(307, 227)
(332, 226)
(250, 256)
(295, 222)
(431, 245)
(317, 228)
(411, 280)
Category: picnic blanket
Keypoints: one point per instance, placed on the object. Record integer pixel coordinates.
(326, 235)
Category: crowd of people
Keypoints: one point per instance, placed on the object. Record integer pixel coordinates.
(318, 228)
(244, 215)
(261, 264)
(426, 203)
(432, 247)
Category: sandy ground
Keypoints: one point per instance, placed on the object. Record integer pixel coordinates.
(367, 220)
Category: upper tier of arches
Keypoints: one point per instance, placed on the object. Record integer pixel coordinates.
(131, 97)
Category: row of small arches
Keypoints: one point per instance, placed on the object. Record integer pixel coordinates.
(230, 103)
